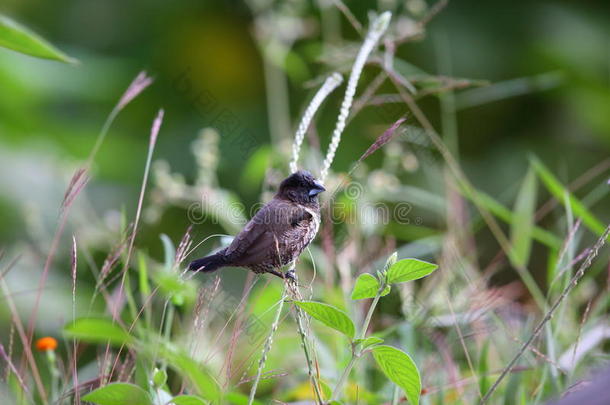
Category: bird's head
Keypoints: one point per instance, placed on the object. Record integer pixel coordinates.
(300, 187)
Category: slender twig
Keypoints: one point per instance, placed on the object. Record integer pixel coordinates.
(301, 319)
(349, 15)
(575, 279)
(468, 189)
(11, 367)
(357, 352)
(25, 341)
(154, 133)
(267, 347)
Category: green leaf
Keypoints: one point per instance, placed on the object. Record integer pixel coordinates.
(523, 221)
(118, 394)
(169, 252)
(560, 192)
(366, 287)
(143, 275)
(400, 369)
(173, 287)
(19, 38)
(330, 316)
(483, 369)
(237, 398)
(206, 386)
(187, 400)
(97, 330)
(504, 214)
(369, 341)
(409, 269)
(391, 261)
(159, 378)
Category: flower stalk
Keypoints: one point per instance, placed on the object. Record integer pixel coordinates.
(377, 29)
(330, 84)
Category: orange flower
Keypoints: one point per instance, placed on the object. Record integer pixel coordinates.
(46, 343)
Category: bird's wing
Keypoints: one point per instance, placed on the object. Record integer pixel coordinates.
(260, 238)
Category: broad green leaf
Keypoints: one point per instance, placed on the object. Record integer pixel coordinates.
(206, 386)
(409, 269)
(400, 369)
(327, 391)
(97, 330)
(19, 38)
(330, 316)
(559, 192)
(118, 394)
(366, 287)
(187, 400)
(523, 221)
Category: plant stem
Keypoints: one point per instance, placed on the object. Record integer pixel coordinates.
(369, 315)
(377, 29)
(267, 348)
(575, 279)
(304, 343)
(356, 352)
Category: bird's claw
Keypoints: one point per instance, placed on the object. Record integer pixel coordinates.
(291, 275)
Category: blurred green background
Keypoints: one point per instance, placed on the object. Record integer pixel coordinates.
(548, 63)
(537, 83)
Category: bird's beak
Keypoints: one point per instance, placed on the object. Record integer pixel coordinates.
(317, 189)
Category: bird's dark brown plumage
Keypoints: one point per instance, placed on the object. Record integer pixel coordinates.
(277, 234)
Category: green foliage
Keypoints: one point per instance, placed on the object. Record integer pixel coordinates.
(199, 335)
(504, 214)
(237, 398)
(330, 316)
(98, 330)
(119, 394)
(18, 38)
(561, 193)
(401, 369)
(205, 384)
(369, 342)
(367, 286)
(188, 400)
(523, 221)
(409, 270)
(159, 378)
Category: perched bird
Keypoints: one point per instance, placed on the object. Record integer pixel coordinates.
(277, 234)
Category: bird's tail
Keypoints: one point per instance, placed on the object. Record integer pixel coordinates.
(209, 263)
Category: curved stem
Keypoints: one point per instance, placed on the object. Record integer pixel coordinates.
(357, 352)
(267, 348)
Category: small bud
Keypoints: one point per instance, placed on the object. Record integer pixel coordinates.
(391, 260)
(159, 378)
(381, 23)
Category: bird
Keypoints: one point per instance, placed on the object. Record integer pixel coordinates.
(277, 234)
